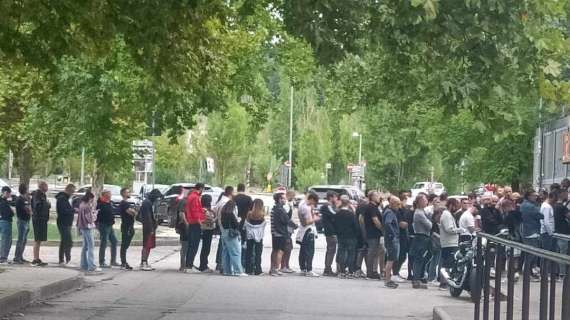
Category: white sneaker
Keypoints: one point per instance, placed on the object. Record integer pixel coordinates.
(192, 271)
(398, 279)
(311, 274)
(287, 270)
(242, 275)
(146, 267)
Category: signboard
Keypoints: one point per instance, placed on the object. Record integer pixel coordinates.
(328, 166)
(349, 167)
(210, 165)
(566, 147)
(357, 171)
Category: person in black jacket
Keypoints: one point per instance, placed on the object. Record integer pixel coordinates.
(127, 212)
(24, 214)
(491, 218)
(40, 218)
(65, 214)
(328, 212)
(105, 222)
(349, 236)
(279, 232)
(6, 215)
(148, 221)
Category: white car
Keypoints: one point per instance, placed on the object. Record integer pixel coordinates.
(436, 188)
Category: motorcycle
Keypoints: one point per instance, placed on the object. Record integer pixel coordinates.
(463, 275)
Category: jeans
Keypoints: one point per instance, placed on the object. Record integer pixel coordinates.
(65, 243)
(404, 248)
(23, 230)
(87, 250)
(183, 250)
(564, 247)
(307, 252)
(253, 256)
(529, 258)
(331, 250)
(194, 235)
(420, 251)
(231, 254)
(127, 235)
(346, 256)
(433, 265)
(6, 241)
(548, 242)
(206, 248)
(106, 232)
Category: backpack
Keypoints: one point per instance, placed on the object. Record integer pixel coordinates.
(138, 216)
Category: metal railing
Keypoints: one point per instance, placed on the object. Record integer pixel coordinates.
(501, 252)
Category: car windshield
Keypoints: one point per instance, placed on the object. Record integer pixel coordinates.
(3, 183)
(322, 192)
(419, 185)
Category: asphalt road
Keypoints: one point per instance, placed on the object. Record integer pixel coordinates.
(168, 294)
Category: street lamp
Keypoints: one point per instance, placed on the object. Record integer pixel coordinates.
(358, 135)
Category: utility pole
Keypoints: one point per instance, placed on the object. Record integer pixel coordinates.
(290, 141)
(82, 178)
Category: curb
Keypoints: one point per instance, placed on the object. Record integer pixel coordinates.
(21, 299)
(440, 314)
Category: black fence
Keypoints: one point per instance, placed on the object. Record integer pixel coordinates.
(500, 253)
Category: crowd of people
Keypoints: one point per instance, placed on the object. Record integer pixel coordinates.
(370, 239)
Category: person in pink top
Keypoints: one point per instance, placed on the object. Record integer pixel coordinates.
(85, 224)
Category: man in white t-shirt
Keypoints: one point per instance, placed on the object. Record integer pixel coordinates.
(467, 224)
(306, 234)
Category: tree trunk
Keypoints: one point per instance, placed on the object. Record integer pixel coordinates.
(98, 178)
(26, 165)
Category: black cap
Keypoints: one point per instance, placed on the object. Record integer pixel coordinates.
(6, 189)
(199, 186)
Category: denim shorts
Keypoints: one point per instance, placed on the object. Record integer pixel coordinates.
(392, 249)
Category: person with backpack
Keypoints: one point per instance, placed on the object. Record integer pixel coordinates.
(208, 227)
(148, 220)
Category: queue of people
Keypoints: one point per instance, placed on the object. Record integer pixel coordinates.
(370, 239)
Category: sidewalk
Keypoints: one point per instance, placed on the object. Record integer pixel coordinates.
(21, 285)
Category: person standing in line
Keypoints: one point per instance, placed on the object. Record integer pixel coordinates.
(531, 216)
(255, 229)
(285, 267)
(449, 236)
(404, 220)
(85, 224)
(562, 225)
(194, 218)
(347, 230)
(226, 196)
(421, 243)
(231, 254)
(208, 227)
(181, 229)
(105, 222)
(244, 204)
(328, 212)
(24, 213)
(362, 247)
(306, 234)
(373, 226)
(149, 224)
(127, 212)
(392, 239)
(65, 215)
(279, 232)
(433, 265)
(40, 218)
(547, 224)
(6, 216)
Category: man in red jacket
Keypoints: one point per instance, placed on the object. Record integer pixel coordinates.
(194, 215)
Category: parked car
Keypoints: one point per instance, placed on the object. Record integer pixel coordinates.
(352, 192)
(15, 193)
(146, 188)
(169, 203)
(428, 188)
(116, 197)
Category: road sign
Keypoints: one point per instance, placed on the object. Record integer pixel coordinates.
(328, 166)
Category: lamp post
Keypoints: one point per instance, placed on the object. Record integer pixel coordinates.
(359, 136)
